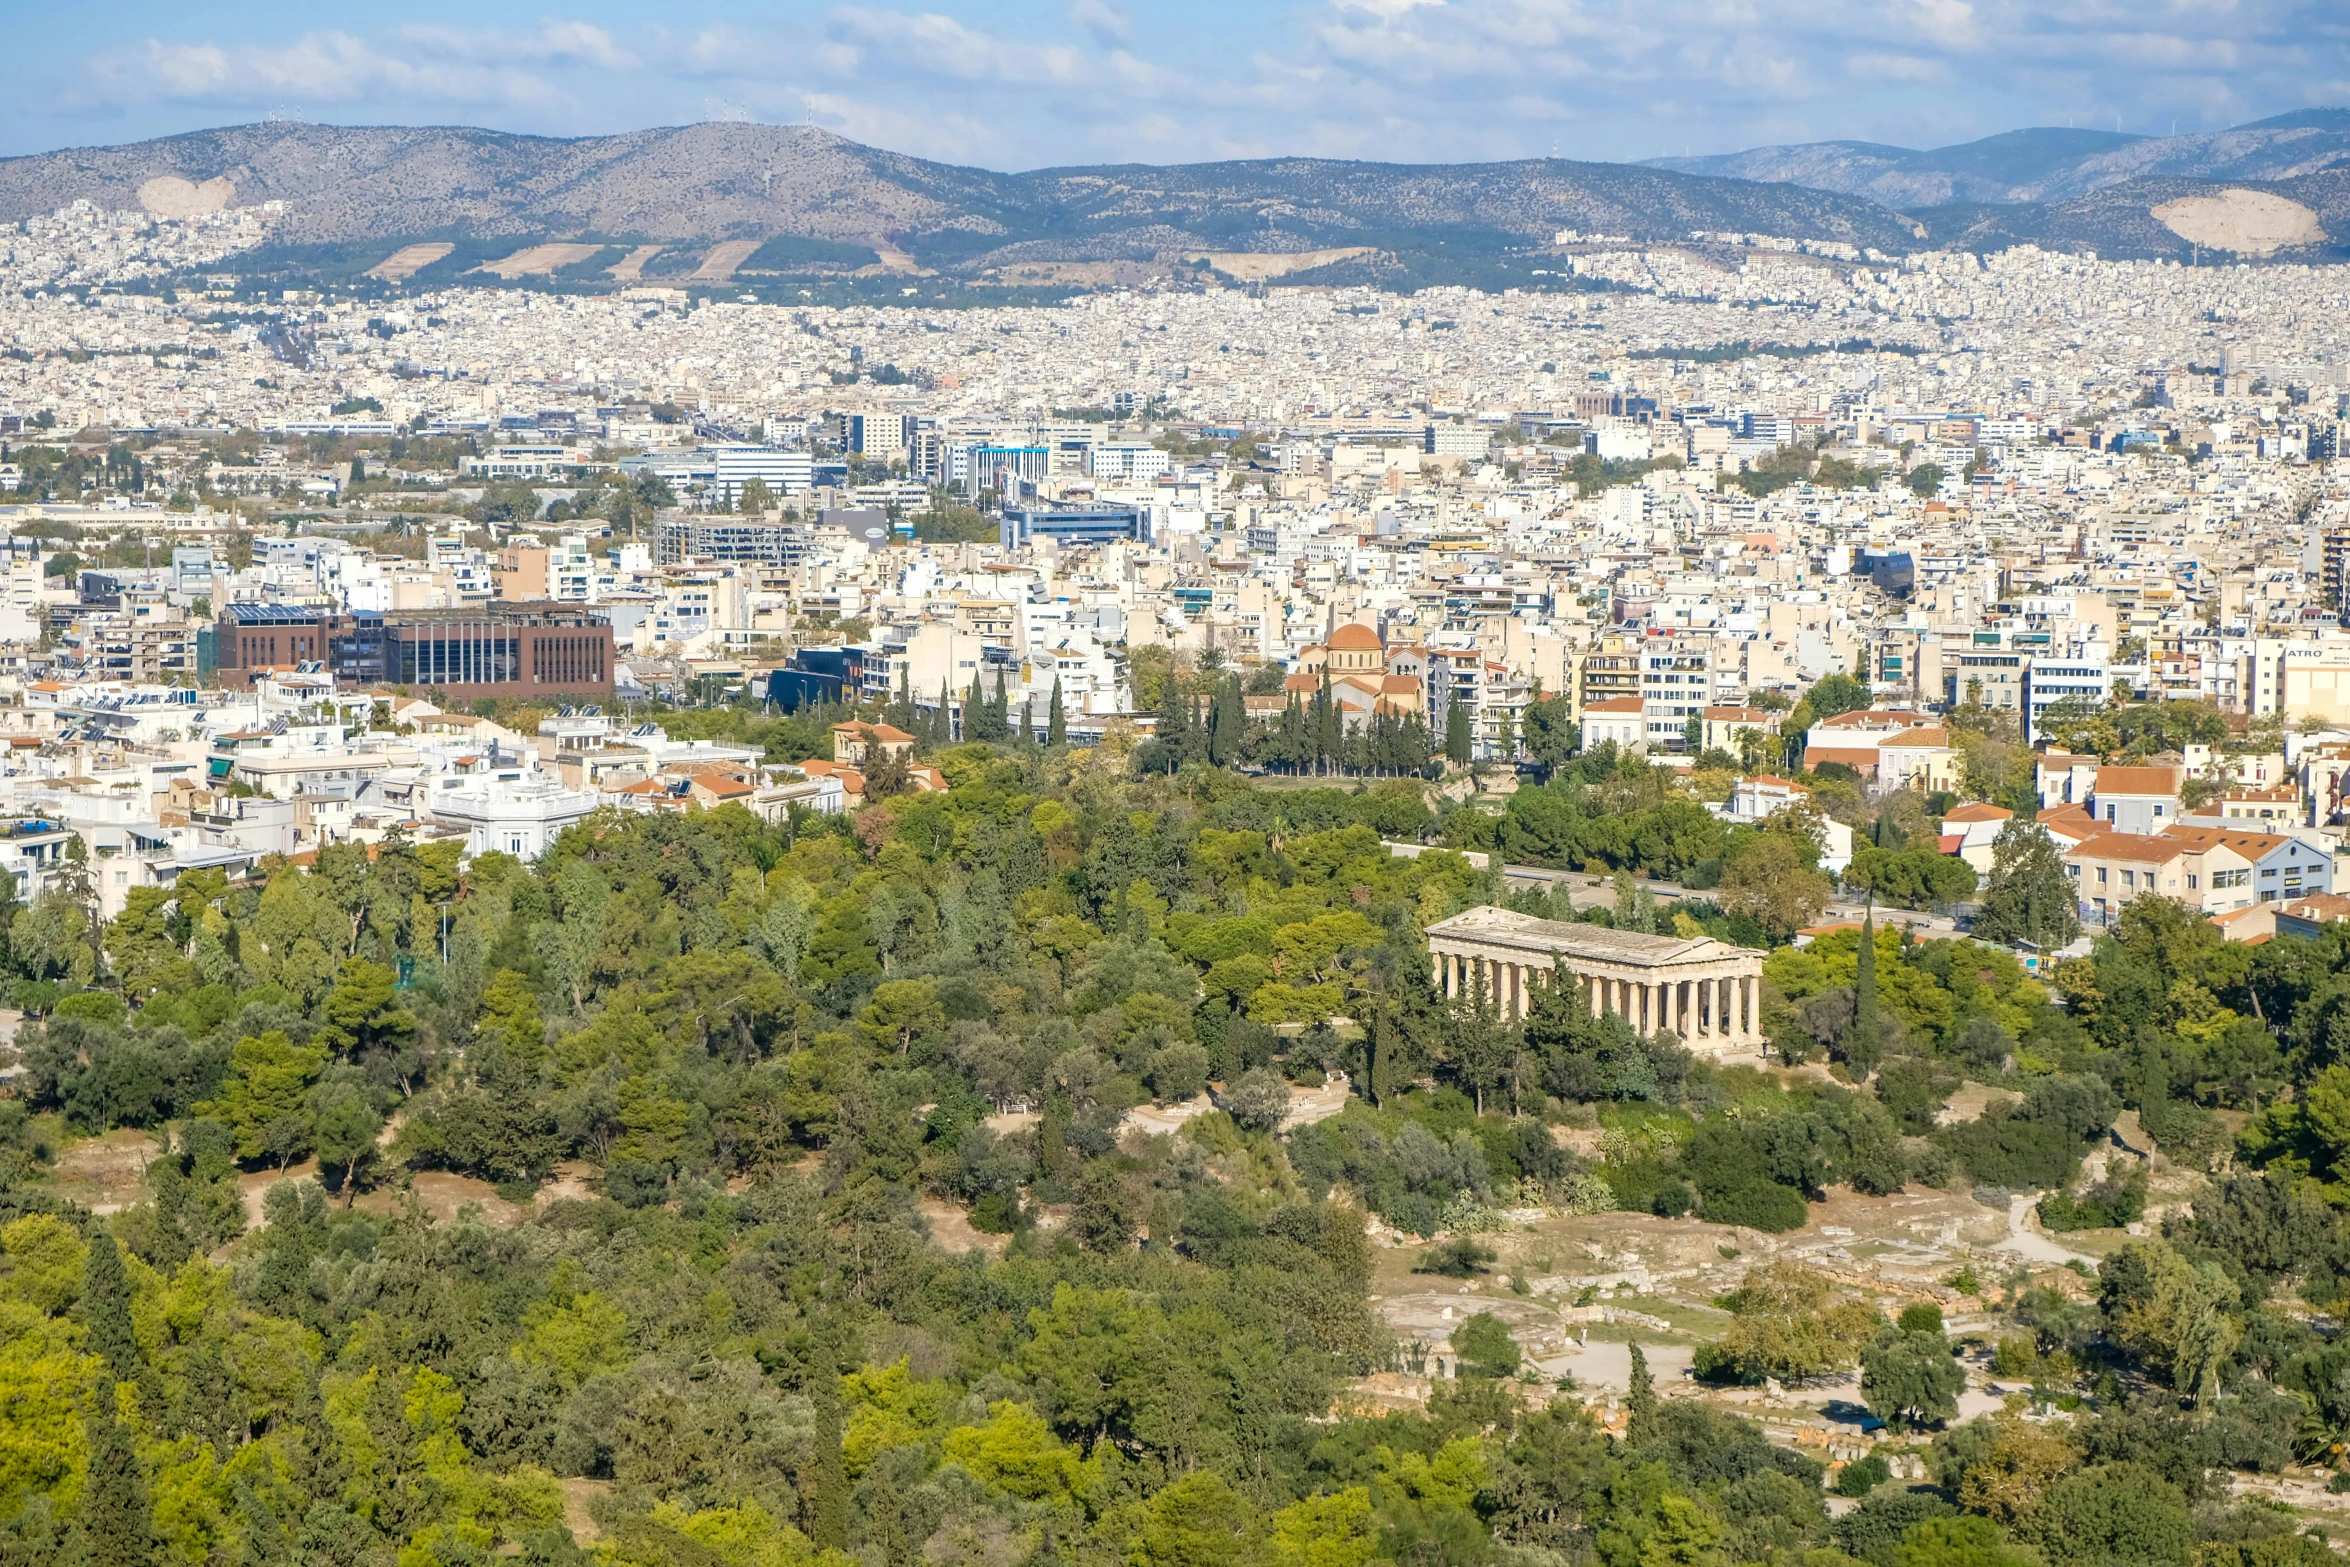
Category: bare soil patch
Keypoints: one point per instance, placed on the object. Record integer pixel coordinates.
(720, 263)
(105, 1174)
(2248, 222)
(950, 1229)
(538, 258)
(169, 196)
(408, 260)
(1257, 266)
(631, 267)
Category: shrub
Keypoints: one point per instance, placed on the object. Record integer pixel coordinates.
(1757, 1204)
(2111, 1203)
(1863, 1475)
(1485, 1347)
(1458, 1258)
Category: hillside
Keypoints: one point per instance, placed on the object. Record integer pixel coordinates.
(2042, 164)
(793, 199)
(781, 209)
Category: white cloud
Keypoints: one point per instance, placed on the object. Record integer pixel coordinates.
(1105, 19)
(1104, 80)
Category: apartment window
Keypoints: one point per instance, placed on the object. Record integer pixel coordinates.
(2100, 874)
(2129, 878)
(2109, 813)
(2268, 873)
(2192, 881)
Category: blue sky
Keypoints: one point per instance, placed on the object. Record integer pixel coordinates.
(1013, 84)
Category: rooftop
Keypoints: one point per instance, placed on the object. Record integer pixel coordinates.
(1596, 943)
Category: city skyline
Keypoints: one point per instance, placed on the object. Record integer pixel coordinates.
(1006, 84)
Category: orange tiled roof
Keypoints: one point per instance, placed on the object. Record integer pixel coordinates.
(2140, 847)
(2137, 780)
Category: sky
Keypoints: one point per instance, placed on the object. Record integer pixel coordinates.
(1011, 84)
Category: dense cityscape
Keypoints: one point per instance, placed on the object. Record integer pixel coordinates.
(1683, 915)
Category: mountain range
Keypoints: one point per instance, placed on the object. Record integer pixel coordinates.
(759, 207)
(2044, 165)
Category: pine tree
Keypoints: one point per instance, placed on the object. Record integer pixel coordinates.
(1456, 733)
(1056, 718)
(117, 1522)
(824, 1488)
(1640, 1403)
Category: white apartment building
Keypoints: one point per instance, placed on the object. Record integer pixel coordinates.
(510, 810)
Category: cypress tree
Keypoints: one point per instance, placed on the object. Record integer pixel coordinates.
(1056, 721)
(265, 1537)
(1052, 1133)
(942, 722)
(999, 711)
(1861, 1046)
(975, 710)
(118, 1525)
(1174, 731)
(1327, 727)
(1640, 1403)
(1027, 734)
(106, 1309)
(824, 1489)
(2153, 1087)
(1230, 725)
(1456, 733)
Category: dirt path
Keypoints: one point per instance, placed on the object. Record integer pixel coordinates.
(2025, 1238)
(1308, 1105)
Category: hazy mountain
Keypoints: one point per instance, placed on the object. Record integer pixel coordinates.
(2043, 164)
(1997, 168)
(2306, 218)
(809, 200)
(759, 206)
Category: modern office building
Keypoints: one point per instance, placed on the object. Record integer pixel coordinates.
(1067, 525)
(698, 537)
(2050, 678)
(783, 471)
(495, 650)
